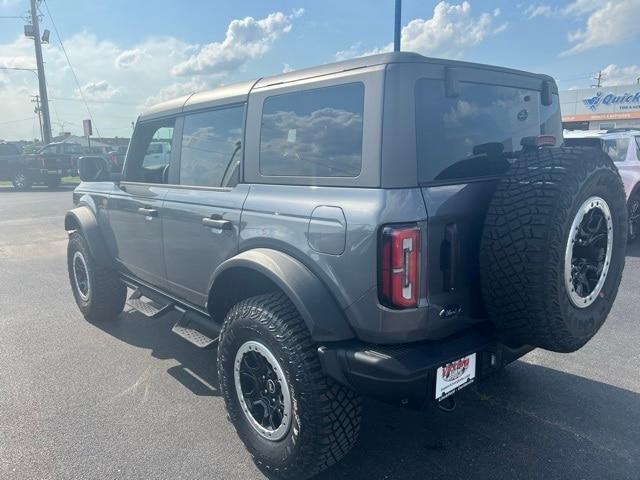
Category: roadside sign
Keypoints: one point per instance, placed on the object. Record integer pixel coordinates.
(88, 130)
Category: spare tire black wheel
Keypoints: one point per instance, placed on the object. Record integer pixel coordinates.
(553, 247)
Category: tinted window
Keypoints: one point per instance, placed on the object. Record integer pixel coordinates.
(8, 149)
(583, 142)
(150, 152)
(211, 148)
(474, 134)
(313, 133)
(73, 148)
(51, 149)
(616, 148)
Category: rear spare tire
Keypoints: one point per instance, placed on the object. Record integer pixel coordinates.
(553, 247)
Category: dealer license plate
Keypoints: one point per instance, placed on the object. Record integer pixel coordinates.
(454, 376)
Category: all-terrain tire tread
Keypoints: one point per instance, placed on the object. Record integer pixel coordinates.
(336, 422)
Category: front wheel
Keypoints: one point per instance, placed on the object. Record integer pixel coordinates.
(294, 420)
(21, 181)
(98, 291)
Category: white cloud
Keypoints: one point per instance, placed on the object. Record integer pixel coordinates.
(286, 68)
(176, 90)
(130, 58)
(118, 81)
(100, 90)
(450, 32)
(615, 75)
(608, 23)
(245, 40)
(539, 10)
(354, 50)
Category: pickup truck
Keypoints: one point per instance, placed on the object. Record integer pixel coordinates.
(47, 167)
(10, 159)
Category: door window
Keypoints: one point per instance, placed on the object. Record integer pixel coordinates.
(211, 148)
(150, 153)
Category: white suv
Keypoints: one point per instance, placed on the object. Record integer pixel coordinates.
(623, 146)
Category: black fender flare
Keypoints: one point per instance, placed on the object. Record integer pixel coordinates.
(83, 219)
(318, 308)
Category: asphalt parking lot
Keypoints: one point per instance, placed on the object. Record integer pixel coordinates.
(129, 399)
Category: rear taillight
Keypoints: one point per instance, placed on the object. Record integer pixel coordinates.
(41, 163)
(399, 269)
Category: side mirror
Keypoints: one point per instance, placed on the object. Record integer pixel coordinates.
(94, 169)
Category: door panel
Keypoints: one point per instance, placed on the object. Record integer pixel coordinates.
(200, 232)
(136, 222)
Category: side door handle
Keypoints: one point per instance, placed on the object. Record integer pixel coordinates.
(215, 223)
(148, 212)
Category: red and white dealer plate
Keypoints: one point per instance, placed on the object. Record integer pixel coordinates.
(453, 376)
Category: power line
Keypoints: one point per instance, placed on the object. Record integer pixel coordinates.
(64, 50)
(18, 120)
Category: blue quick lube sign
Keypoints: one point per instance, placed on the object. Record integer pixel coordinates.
(623, 102)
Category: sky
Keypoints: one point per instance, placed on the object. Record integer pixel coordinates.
(128, 55)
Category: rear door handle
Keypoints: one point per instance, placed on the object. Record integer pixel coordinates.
(148, 212)
(214, 223)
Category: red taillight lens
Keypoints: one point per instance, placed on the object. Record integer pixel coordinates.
(42, 163)
(400, 266)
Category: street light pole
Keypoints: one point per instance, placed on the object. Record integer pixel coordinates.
(398, 26)
(44, 98)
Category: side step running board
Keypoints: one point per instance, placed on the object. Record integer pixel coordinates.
(147, 306)
(196, 328)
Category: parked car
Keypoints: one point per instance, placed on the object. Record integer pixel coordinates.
(623, 146)
(158, 154)
(393, 226)
(46, 167)
(116, 157)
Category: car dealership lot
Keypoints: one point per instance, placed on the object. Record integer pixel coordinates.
(129, 399)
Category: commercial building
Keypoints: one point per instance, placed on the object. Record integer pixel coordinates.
(601, 108)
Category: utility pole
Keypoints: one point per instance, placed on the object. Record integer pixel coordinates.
(398, 26)
(598, 80)
(36, 99)
(44, 98)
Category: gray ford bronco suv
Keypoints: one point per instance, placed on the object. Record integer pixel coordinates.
(393, 226)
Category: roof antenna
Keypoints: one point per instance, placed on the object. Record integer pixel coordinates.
(398, 26)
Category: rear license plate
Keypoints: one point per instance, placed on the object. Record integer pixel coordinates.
(454, 376)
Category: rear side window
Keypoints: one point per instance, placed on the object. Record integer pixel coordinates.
(313, 133)
(616, 148)
(211, 143)
(474, 134)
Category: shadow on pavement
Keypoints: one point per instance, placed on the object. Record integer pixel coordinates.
(633, 250)
(528, 421)
(197, 369)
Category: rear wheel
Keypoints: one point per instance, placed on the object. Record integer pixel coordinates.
(98, 291)
(553, 247)
(294, 421)
(21, 180)
(634, 217)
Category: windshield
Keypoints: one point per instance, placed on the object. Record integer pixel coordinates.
(474, 134)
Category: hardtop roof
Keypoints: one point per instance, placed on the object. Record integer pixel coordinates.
(239, 91)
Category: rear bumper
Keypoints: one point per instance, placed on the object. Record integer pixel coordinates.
(406, 373)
